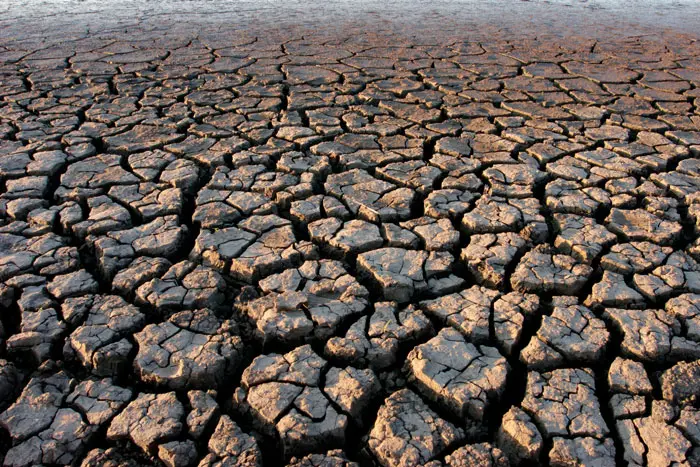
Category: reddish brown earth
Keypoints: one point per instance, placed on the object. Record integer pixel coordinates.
(422, 234)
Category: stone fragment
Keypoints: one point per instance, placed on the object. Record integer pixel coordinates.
(541, 270)
(222, 208)
(634, 257)
(304, 303)
(408, 432)
(184, 286)
(271, 248)
(679, 384)
(101, 341)
(111, 457)
(436, 234)
(651, 335)
(642, 225)
(494, 214)
(140, 138)
(369, 198)
(193, 349)
(463, 378)
(150, 200)
(625, 406)
(396, 236)
(149, 420)
(204, 410)
(563, 403)
(72, 285)
(9, 382)
(514, 180)
(489, 255)
(575, 197)
(448, 203)
(629, 377)
(606, 159)
(519, 438)
(317, 207)
(510, 313)
(284, 396)
(468, 311)
(483, 454)
(612, 291)
(229, 445)
(416, 175)
(581, 237)
(40, 327)
(333, 458)
(99, 400)
(400, 274)
(60, 443)
(105, 216)
(378, 342)
(51, 425)
(93, 176)
(162, 237)
(686, 308)
(679, 274)
(44, 254)
(652, 440)
(351, 389)
(178, 453)
(350, 237)
(36, 407)
(141, 270)
(570, 335)
(587, 451)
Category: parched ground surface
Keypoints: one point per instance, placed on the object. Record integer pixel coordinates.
(223, 246)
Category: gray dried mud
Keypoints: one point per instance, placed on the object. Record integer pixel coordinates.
(445, 235)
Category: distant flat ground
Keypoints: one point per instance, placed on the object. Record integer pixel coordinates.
(580, 17)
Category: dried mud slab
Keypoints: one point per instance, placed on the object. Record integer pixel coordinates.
(298, 398)
(408, 432)
(465, 378)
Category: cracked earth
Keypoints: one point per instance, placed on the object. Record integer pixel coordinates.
(332, 249)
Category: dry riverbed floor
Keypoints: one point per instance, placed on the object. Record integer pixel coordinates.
(335, 246)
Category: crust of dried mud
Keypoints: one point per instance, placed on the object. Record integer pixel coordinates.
(225, 242)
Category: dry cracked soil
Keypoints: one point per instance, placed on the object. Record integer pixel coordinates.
(237, 242)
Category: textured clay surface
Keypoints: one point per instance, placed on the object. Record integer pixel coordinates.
(290, 240)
